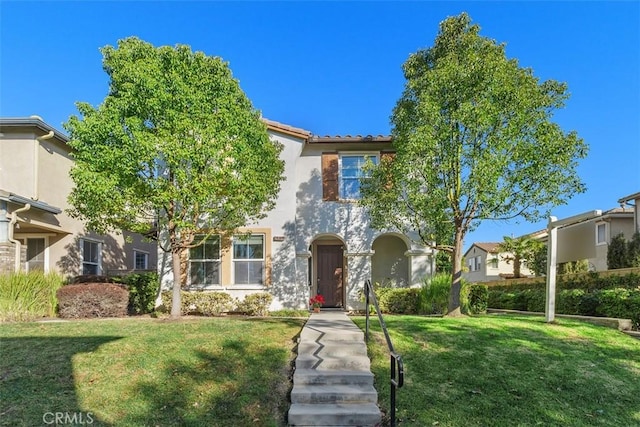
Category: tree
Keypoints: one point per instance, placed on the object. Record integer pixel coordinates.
(617, 253)
(521, 250)
(633, 250)
(175, 141)
(539, 263)
(474, 141)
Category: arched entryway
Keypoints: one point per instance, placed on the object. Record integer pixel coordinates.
(389, 264)
(327, 269)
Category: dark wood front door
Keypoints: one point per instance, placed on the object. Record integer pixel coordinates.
(329, 268)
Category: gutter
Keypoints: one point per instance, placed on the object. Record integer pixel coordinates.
(12, 223)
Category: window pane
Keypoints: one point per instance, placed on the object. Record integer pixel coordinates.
(212, 273)
(255, 272)
(601, 233)
(241, 273)
(89, 269)
(197, 252)
(90, 253)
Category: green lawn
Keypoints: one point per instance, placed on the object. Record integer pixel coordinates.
(509, 371)
(148, 372)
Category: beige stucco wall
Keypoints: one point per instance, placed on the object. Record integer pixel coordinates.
(487, 272)
(20, 168)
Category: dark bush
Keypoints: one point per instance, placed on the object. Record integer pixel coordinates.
(92, 278)
(92, 300)
(478, 298)
(143, 289)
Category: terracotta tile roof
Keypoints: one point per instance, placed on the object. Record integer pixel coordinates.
(491, 247)
(286, 129)
(328, 139)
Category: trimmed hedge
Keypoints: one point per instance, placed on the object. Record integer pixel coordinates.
(585, 295)
(398, 300)
(256, 304)
(143, 289)
(92, 300)
(201, 302)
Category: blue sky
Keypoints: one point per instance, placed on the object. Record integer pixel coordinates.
(334, 68)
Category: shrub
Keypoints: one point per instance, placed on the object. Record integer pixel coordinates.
(617, 254)
(92, 300)
(478, 298)
(201, 302)
(27, 296)
(256, 304)
(399, 300)
(633, 250)
(143, 289)
(92, 278)
(434, 295)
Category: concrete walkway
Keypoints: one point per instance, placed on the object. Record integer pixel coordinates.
(332, 382)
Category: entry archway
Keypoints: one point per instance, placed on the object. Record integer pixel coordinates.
(389, 264)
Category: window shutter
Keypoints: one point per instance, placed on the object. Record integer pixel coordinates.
(329, 176)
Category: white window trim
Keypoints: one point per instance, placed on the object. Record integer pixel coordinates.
(341, 154)
(99, 243)
(46, 249)
(263, 259)
(606, 233)
(219, 260)
(138, 251)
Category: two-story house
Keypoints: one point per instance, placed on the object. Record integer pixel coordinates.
(35, 231)
(485, 262)
(317, 239)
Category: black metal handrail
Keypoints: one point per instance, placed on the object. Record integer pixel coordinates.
(397, 367)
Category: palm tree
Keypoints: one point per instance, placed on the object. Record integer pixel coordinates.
(521, 249)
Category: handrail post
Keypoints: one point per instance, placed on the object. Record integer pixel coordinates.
(397, 367)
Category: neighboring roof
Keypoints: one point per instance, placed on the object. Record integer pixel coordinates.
(630, 197)
(489, 247)
(37, 204)
(35, 121)
(348, 138)
(286, 129)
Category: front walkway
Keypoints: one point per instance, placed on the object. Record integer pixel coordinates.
(333, 383)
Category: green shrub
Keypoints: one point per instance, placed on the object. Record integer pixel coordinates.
(434, 294)
(400, 301)
(92, 300)
(27, 296)
(256, 304)
(205, 303)
(143, 289)
(478, 298)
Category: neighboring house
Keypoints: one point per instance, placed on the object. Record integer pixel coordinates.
(485, 263)
(35, 231)
(317, 239)
(626, 201)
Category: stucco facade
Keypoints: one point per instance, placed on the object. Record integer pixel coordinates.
(35, 230)
(485, 263)
(314, 243)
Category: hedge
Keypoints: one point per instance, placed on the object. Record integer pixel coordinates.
(201, 302)
(585, 295)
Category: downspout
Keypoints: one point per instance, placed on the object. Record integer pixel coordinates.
(14, 220)
(36, 150)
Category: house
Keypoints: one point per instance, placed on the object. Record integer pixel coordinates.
(485, 263)
(317, 240)
(626, 201)
(36, 233)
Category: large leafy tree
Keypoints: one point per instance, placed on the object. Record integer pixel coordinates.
(520, 250)
(474, 141)
(177, 143)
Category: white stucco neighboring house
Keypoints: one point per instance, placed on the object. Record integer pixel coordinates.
(36, 233)
(485, 263)
(317, 239)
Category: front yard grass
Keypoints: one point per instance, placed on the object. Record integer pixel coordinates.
(148, 372)
(508, 371)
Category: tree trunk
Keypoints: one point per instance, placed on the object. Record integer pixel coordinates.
(456, 275)
(516, 267)
(176, 302)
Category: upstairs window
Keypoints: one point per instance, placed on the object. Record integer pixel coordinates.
(141, 260)
(601, 233)
(204, 261)
(352, 170)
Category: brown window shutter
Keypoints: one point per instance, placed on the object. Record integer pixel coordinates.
(329, 176)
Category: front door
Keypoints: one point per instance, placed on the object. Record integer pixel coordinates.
(329, 270)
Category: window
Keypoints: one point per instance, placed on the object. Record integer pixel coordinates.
(90, 257)
(141, 260)
(601, 233)
(478, 263)
(35, 254)
(493, 262)
(204, 261)
(351, 172)
(248, 259)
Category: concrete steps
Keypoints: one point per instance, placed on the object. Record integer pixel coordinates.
(333, 383)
